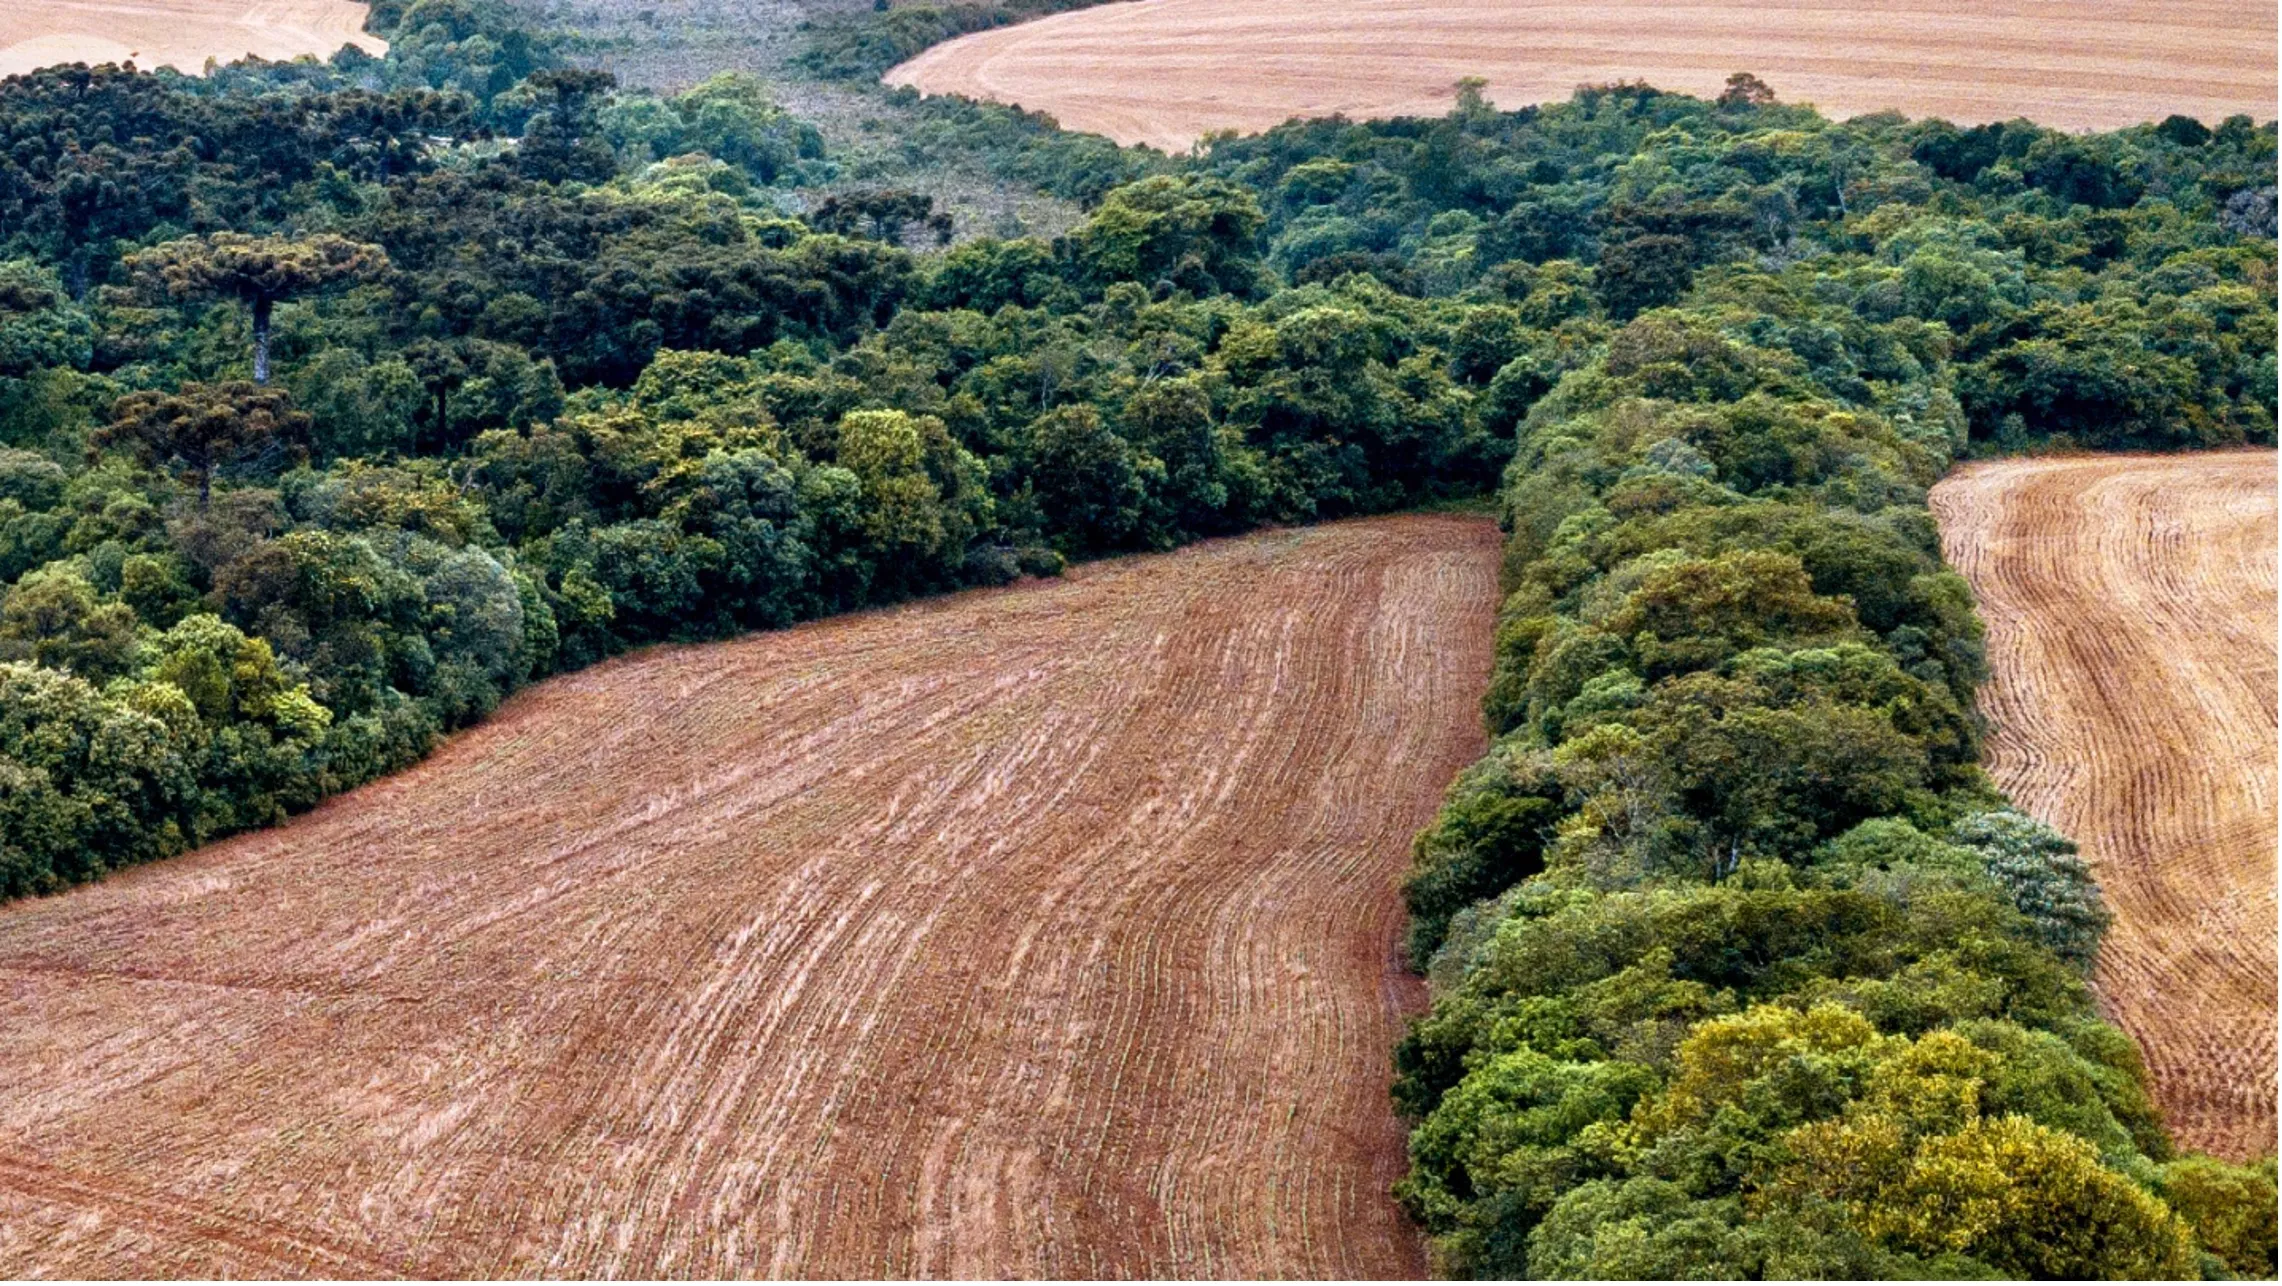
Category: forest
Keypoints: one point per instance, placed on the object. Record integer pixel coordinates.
(339, 400)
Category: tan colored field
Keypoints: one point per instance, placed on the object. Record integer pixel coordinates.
(1166, 71)
(1048, 931)
(2131, 611)
(181, 34)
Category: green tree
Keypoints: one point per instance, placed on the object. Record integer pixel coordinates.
(1190, 233)
(39, 326)
(1088, 479)
(2230, 1207)
(256, 271)
(1644, 272)
(55, 618)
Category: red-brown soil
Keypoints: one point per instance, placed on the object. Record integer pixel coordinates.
(2130, 603)
(1046, 931)
(181, 34)
(1165, 72)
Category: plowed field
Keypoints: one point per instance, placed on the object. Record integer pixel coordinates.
(1166, 71)
(2130, 603)
(1039, 931)
(181, 34)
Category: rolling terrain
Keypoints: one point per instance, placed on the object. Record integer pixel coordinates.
(2131, 610)
(1041, 931)
(181, 34)
(1164, 72)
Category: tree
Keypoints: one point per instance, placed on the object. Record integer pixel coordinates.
(1644, 272)
(1189, 233)
(2022, 1197)
(440, 365)
(201, 428)
(2039, 869)
(1697, 613)
(39, 328)
(732, 118)
(358, 407)
(882, 215)
(257, 271)
(1501, 1148)
(2231, 1208)
(1490, 834)
(1172, 420)
(903, 508)
(563, 142)
(1746, 90)
(86, 784)
(1088, 480)
(53, 617)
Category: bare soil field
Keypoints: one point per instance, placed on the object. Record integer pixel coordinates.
(2131, 610)
(1045, 931)
(1165, 72)
(181, 34)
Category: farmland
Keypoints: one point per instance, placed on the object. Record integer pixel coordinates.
(181, 34)
(2130, 603)
(1164, 72)
(538, 735)
(1039, 931)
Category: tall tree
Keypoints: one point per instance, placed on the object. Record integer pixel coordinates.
(258, 271)
(203, 427)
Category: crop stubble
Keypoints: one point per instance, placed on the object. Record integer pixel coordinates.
(1042, 931)
(1164, 72)
(182, 34)
(2131, 610)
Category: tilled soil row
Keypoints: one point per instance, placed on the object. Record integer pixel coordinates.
(181, 34)
(1046, 931)
(2131, 610)
(1165, 72)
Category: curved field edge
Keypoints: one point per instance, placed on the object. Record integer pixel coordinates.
(1044, 931)
(2131, 610)
(1168, 72)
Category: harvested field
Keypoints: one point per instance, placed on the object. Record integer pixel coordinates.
(1164, 72)
(2131, 611)
(181, 34)
(1046, 931)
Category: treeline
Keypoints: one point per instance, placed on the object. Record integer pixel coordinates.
(1741, 967)
(338, 400)
(2108, 290)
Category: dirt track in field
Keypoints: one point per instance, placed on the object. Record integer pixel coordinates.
(1164, 72)
(2130, 604)
(1039, 931)
(181, 34)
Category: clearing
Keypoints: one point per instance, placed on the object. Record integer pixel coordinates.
(181, 34)
(1164, 72)
(1044, 931)
(2130, 603)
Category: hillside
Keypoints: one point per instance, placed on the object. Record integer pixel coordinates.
(2130, 602)
(1165, 72)
(1042, 931)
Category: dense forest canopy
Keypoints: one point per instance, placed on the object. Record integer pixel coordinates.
(338, 400)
